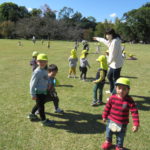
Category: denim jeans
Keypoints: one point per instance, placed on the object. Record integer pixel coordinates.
(113, 75)
(119, 135)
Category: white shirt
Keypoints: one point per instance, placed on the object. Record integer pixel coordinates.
(115, 59)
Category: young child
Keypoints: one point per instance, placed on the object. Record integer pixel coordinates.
(100, 80)
(83, 65)
(38, 90)
(98, 45)
(72, 63)
(33, 62)
(117, 113)
(52, 94)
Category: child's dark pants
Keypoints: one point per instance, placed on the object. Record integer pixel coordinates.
(40, 106)
(98, 87)
(83, 71)
(52, 96)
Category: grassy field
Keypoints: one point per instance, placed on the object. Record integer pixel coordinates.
(81, 127)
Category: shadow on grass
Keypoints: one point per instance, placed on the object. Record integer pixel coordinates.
(129, 77)
(144, 104)
(79, 122)
(65, 86)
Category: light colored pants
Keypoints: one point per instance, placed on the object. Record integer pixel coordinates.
(72, 70)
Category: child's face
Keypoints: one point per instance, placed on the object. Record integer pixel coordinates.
(52, 73)
(122, 90)
(42, 63)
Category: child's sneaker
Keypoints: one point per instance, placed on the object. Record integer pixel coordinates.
(69, 76)
(32, 117)
(99, 102)
(58, 110)
(119, 148)
(47, 122)
(37, 112)
(94, 104)
(106, 145)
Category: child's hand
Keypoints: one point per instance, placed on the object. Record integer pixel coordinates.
(104, 119)
(135, 128)
(33, 98)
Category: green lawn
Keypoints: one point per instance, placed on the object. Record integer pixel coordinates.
(81, 127)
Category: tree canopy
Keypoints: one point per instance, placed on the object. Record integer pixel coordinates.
(16, 21)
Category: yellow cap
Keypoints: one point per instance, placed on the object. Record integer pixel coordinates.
(73, 53)
(123, 81)
(83, 53)
(35, 53)
(42, 57)
(103, 62)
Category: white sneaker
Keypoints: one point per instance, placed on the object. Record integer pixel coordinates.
(69, 76)
(107, 92)
(37, 112)
(58, 110)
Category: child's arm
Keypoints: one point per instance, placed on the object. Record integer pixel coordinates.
(102, 76)
(106, 110)
(135, 116)
(33, 83)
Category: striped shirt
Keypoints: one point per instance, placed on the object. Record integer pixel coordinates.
(117, 109)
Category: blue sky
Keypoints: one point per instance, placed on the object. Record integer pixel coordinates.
(99, 9)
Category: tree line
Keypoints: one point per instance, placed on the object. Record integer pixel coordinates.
(17, 22)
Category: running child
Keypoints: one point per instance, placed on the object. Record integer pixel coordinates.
(52, 94)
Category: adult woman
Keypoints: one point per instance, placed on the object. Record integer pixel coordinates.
(115, 60)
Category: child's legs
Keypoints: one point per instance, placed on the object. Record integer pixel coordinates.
(100, 87)
(40, 106)
(120, 137)
(95, 93)
(109, 133)
(55, 100)
(74, 70)
(70, 70)
(84, 72)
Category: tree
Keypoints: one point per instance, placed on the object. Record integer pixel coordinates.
(7, 29)
(36, 12)
(9, 11)
(65, 13)
(47, 12)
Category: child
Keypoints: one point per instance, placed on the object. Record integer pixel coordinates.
(117, 113)
(38, 90)
(72, 63)
(83, 65)
(98, 47)
(33, 62)
(100, 80)
(52, 94)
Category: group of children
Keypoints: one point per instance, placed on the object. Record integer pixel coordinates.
(116, 111)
